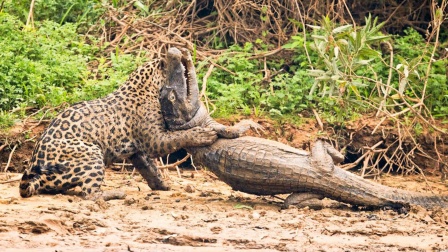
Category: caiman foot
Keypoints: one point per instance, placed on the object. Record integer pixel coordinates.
(105, 195)
(238, 129)
(311, 200)
(301, 200)
(334, 154)
(324, 156)
(247, 124)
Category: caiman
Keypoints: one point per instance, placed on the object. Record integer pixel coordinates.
(264, 167)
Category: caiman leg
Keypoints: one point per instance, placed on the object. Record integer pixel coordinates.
(203, 118)
(236, 130)
(322, 154)
(307, 199)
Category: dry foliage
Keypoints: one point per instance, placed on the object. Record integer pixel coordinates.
(199, 25)
(196, 25)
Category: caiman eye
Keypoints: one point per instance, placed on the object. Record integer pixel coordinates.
(172, 96)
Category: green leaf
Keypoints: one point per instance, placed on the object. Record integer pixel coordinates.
(335, 77)
(342, 29)
(319, 37)
(324, 78)
(292, 45)
(363, 62)
(316, 72)
(368, 53)
(141, 6)
(314, 27)
(377, 38)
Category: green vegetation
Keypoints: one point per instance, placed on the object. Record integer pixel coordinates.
(338, 70)
(39, 65)
(49, 64)
(344, 74)
(80, 12)
(246, 91)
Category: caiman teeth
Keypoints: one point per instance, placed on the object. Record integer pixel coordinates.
(187, 76)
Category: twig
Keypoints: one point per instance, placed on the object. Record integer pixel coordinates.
(123, 164)
(436, 25)
(350, 14)
(19, 108)
(321, 125)
(419, 115)
(9, 158)
(192, 163)
(266, 54)
(39, 122)
(376, 127)
(164, 172)
(30, 15)
(304, 35)
(168, 166)
(11, 180)
(223, 68)
(389, 79)
(3, 146)
(369, 150)
(204, 80)
(366, 163)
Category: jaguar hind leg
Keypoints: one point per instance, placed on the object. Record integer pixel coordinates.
(91, 186)
(29, 184)
(91, 178)
(41, 179)
(91, 181)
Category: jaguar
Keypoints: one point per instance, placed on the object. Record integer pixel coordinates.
(83, 139)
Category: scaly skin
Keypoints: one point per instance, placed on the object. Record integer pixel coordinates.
(265, 167)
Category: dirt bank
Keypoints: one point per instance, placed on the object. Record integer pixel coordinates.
(201, 213)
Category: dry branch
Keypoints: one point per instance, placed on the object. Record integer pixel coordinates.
(10, 157)
(175, 164)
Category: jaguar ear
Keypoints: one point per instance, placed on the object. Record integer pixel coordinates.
(162, 64)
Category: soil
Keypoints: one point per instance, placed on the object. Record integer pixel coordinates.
(201, 213)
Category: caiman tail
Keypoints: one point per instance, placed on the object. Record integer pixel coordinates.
(353, 189)
(265, 167)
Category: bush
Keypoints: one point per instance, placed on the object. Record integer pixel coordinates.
(351, 69)
(59, 11)
(415, 56)
(37, 64)
(106, 78)
(245, 91)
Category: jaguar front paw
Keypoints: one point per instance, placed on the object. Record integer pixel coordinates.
(199, 136)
